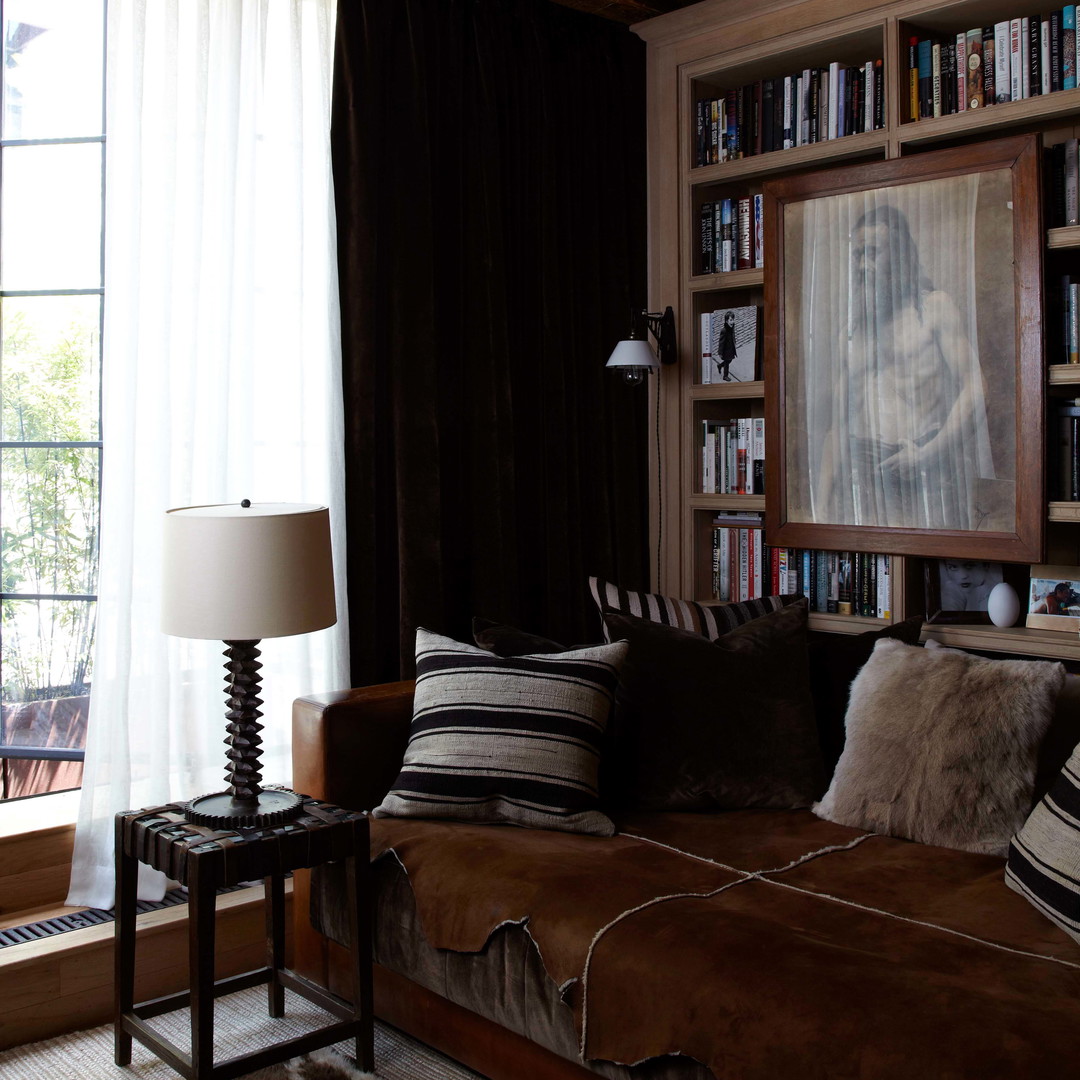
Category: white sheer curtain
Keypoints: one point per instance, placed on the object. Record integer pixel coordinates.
(221, 374)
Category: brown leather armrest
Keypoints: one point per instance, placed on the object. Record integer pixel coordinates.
(348, 746)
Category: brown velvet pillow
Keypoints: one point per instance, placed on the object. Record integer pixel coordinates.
(505, 640)
(835, 660)
(725, 724)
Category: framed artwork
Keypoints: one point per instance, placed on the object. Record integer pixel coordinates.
(958, 590)
(903, 355)
(1054, 598)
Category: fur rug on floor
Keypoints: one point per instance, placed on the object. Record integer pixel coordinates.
(318, 1065)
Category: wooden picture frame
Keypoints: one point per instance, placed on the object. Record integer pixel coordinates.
(957, 590)
(903, 355)
(1047, 582)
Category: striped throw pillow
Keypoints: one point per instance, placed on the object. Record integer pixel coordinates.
(1044, 856)
(709, 620)
(513, 740)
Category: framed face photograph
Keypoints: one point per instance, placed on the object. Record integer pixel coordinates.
(1054, 598)
(904, 344)
(958, 590)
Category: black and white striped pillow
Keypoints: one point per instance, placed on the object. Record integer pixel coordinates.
(1044, 856)
(709, 620)
(513, 740)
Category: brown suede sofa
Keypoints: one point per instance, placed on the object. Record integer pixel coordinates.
(756, 943)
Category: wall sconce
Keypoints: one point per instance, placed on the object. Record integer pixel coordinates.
(634, 356)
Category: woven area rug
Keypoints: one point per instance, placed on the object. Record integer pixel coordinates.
(240, 1025)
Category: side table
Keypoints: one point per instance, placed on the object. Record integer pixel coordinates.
(205, 859)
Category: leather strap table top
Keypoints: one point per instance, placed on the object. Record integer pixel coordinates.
(161, 837)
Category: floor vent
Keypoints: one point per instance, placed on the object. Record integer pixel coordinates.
(79, 920)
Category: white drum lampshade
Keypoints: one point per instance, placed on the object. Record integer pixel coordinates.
(241, 572)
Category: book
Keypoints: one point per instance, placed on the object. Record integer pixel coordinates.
(1002, 75)
(1072, 182)
(734, 343)
(757, 456)
(744, 230)
(988, 65)
(843, 583)
(926, 81)
(1025, 58)
(1055, 51)
(1068, 47)
(1034, 56)
(974, 61)
(913, 77)
(759, 228)
(1044, 56)
(1015, 62)
(935, 76)
(960, 64)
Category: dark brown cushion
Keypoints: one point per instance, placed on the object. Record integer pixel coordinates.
(835, 660)
(725, 724)
(505, 640)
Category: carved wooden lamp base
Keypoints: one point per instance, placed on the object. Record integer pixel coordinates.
(245, 805)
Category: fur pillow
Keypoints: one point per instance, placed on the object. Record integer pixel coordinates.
(941, 746)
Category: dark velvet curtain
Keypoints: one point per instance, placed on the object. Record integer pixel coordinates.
(489, 167)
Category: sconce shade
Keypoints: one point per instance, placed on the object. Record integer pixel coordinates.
(633, 353)
(243, 573)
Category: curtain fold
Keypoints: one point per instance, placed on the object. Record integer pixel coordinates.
(489, 163)
(221, 374)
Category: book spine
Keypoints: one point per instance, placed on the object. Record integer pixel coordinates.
(879, 94)
(1034, 62)
(706, 243)
(988, 65)
(1025, 58)
(730, 125)
(843, 575)
(1074, 459)
(935, 75)
(1015, 64)
(706, 349)
(1068, 47)
(812, 105)
(757, 550)
(913, 77)
(1074, 323)
(1072, 182)
(974, 69)
(868, 96)
(767, 134)
(1044, 56)
(727, 235)
(789, 112)
(759, 229)
(744, 233)
(804, 105)
(960, 53)
(758, 468)
(841, 102)
(1002, 77)
(834, 91)
(1055, 50)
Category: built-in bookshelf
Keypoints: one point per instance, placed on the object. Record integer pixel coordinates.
(715, 51)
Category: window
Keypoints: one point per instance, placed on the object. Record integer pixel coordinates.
(52, 146)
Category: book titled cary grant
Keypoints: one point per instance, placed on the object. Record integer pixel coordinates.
(729, 345)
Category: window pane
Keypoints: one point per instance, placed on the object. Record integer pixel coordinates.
(50, 520)
(52, 68)
(49, 368)
(47, 654)
(51, 211)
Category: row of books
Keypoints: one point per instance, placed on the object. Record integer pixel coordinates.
(733, 456)
(1062, 162)
(1065, 482)
(729, 344)
(809, 106)
(989, 65)
(744, 567)
(730, 234)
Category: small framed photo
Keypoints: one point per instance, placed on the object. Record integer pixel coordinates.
(1054, 598)
(957, 590)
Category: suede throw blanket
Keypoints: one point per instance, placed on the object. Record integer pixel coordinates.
(762, 943)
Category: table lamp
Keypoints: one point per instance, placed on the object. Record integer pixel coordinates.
(241, 572)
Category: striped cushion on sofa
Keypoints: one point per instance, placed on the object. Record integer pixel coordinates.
(514, 740)
(1044, 857)
(709, 620)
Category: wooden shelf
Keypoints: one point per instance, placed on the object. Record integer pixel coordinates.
(1064, 374)
(718, 391)
(1065, 237)
(1064, 511)
(845, 624)
(727, 280)
(749, 503)
(868, 144)
(1021, 640)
